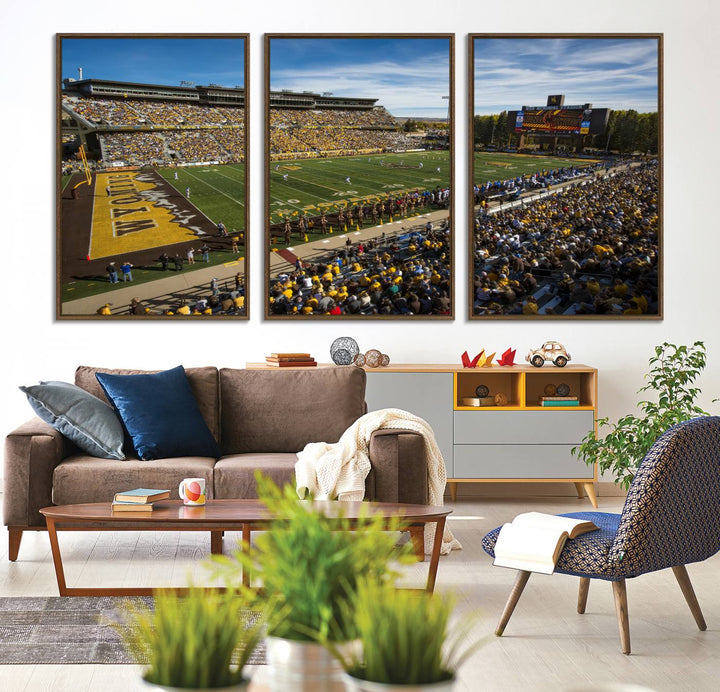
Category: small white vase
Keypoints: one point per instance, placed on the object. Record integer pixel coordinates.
(357, 685)
(295, 666)
(239, 687)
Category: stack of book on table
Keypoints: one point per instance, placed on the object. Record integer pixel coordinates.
(138, 500)
(290, 360)
(559, 401)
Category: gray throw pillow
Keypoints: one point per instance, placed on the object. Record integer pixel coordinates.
(83, 418)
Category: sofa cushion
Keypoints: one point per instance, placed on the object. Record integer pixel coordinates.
(81, 478)
(235, 475)
(281, 411)
(83, 418)
(160, 413)
(203, 382)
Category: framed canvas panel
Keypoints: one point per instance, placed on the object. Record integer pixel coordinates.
(152, 196)
(565, 153)
(359, 172)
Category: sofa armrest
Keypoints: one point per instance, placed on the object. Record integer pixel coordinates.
(399, 471)
(32, 452)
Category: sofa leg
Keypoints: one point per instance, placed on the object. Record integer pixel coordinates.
(417, 536)
(216, 542)
(15, 536)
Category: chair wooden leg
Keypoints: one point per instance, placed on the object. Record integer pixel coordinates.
(14, 538)
(583, 594)
(620, 594)
(515, 594)
(684, 580)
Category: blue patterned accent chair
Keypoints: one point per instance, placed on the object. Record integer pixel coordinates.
(671, 518)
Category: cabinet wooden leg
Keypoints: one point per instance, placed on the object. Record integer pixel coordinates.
(684, 580)
(583, 594)
(14, 538)
(590, 490)
(520, 581)
(453, 491)
(580, 490)
(417, 536)
(621, 608)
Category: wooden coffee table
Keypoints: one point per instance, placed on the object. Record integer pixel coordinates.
(218, 516)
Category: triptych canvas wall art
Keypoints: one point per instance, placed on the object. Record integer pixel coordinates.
(564, 191)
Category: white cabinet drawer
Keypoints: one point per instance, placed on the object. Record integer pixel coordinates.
(519, 461)
(521, 427)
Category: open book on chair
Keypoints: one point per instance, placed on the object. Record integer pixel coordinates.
(533, 541)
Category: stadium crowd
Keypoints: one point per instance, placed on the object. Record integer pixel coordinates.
(590, 248)
(401, 274)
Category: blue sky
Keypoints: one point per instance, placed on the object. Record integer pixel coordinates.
(165, 61)
(609, 73)
(409, 76)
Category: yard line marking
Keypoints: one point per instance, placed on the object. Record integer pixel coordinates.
(216, 189)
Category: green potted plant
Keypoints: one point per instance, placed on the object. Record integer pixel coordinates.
(198, 641)
(673, 372)
(405, 643)
(310, 565)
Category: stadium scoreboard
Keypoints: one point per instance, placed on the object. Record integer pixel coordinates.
(557, 119)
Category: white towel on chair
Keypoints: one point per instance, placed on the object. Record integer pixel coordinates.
(329, 471)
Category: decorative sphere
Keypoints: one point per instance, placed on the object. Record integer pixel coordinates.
(563, 389)
(359, 360)
(385, 360)
(373, 358)
(343, 350)
(550, 390)
(500, 399)
(482, 390)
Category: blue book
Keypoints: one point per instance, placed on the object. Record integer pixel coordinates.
(142, 496)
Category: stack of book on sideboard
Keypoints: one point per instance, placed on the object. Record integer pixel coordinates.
(290, 360)
(559, 401)
(138, 500)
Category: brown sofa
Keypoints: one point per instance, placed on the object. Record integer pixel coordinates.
(260, 418)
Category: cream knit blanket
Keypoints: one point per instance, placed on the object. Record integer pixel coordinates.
(329, 471)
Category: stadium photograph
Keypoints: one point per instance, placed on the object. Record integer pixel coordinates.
(566, 170)
(358, 176)
(152, 154)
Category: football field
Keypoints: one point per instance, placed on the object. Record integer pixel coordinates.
(313, 185)
(217, 191)
(492, 166)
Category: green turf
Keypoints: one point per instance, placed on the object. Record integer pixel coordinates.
(316, 184)
(217, 191)
(492, 166)
(84, 288)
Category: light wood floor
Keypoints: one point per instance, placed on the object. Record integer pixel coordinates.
(547, 646)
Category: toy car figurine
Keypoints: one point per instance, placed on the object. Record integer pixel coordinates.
(551, 350)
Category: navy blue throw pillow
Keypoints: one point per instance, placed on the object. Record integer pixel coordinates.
(160, 413)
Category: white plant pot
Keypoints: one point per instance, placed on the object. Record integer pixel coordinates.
(357, 685)
(301, 667)
(239, 687)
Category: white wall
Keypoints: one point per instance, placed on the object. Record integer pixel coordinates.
(36, 347)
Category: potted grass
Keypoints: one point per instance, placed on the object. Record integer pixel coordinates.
(405, 644)
(310, 566)
(198, 641)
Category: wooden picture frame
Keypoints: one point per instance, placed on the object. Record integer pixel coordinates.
(151, 161)
(565, 199)
(347, 204)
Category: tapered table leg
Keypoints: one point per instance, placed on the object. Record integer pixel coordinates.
(57, 558)
(435, 557)
(520, 581)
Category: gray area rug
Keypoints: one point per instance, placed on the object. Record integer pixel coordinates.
(69, 630)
